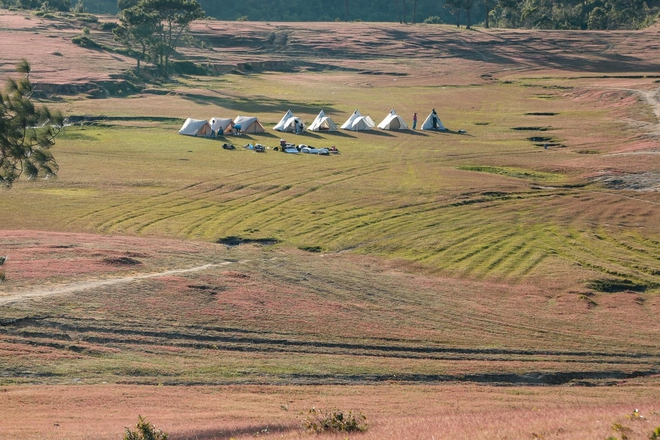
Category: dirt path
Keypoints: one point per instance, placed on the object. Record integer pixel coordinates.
(66, 289)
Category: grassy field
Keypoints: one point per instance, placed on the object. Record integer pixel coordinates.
(403, 277)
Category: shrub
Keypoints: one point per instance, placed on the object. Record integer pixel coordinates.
(85, 41)
(433, 19)
(188, 68)
(109, 26)
(655, 435)
(243, 18)
(317, 421)
(144, 431)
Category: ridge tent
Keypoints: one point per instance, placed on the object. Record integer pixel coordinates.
(288, 122)
(393, 122)
(221, 125)
(322, 123)
(249, 124)
(358, 122)
(196, 127)
(433, 122)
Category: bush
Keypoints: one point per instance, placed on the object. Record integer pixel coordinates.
(85, 41)
(433, 19)
(144, 431)
(108, 26)
(188, 68)
(655, 435)
(87, 18)
(318, 421)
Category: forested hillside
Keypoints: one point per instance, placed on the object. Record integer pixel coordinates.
(542, 14)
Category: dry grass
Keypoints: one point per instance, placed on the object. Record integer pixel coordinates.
(393, 411)
(444, 258)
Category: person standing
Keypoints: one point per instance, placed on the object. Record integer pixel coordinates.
(414, 121)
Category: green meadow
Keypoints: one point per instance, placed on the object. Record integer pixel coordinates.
(487, 204)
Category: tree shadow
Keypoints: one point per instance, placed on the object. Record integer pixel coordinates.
(254, 430)
(255, 104)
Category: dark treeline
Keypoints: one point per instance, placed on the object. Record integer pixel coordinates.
(541, 14)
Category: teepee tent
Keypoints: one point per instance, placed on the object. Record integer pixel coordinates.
(322, 123)
(249, 124)
(221, 125)
(288, 122)
(433, 122)
(357, 122)
(393, 122)
(196, 127)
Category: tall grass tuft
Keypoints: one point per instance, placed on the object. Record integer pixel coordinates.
(144, 431)
(318, 421)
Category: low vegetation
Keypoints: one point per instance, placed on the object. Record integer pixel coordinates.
(416, 269)
(144, 431)
(318, 421)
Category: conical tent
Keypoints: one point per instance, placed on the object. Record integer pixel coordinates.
(357, 122)
(433, 122)
(322, 123)
(347, 125)
(196, 127)
(288, 122)
(393, 122)
(221, 125)
(249, 124)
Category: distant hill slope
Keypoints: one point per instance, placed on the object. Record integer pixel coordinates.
(616, 14)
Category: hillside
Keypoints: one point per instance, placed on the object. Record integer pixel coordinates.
(409, 273)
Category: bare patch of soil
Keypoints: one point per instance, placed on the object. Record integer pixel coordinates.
(648, 181)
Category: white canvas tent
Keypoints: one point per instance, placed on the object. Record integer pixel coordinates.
(357, 122)
(322, 123)
(221, 125)
(288, 122)
(196, 127)
(433, 122)
(249, 124)
(393, 122)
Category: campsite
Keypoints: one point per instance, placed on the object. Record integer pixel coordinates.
(444, 284)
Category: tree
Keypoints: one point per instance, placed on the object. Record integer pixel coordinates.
(454, 7)
(125, 4)
(467, 5)
(488, 6)
(27, 132)
(173, 18)
(138, 27)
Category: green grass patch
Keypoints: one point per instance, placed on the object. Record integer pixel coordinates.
(513, 172)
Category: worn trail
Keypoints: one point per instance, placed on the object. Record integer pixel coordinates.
(67, 289)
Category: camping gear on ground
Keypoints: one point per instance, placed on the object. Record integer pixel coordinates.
(228, 146)
(322, 123)
(433, 122)
(333, 150)
(289, 123)
(393, 122)
(311, 150)
(248, 124)
(221, 126)
(196, 127)
(357, 122)
(259, 148)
